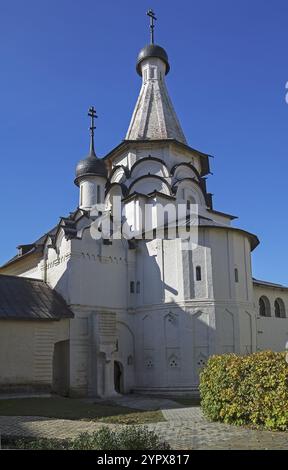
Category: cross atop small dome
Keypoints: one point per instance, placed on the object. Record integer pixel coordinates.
(91, 165)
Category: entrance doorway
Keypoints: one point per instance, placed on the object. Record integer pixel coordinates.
(60, 381)
(118, 377)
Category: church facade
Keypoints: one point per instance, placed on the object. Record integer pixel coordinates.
(135, 313)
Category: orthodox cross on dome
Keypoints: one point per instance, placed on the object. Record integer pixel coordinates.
(152, 16)
(92, 114)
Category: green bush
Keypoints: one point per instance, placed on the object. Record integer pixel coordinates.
(127, 438)
(250, 389)
(35, 444)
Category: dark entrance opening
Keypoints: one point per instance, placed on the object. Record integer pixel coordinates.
(118, 377)
(60, 384)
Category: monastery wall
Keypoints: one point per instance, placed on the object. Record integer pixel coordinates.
(26, 351)
(272, 332)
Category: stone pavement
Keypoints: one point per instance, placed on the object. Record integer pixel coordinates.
(185, 428)
(36, 426)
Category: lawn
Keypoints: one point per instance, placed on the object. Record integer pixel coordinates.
(69, 408)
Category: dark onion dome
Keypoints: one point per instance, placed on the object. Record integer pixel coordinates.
(152, 50)
(90, 166)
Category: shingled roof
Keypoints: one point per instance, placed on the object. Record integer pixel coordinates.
(30, 299)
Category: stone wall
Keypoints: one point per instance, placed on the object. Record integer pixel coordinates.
(272, 332)
(26, 352)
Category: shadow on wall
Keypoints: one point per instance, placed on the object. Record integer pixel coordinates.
(163, 345)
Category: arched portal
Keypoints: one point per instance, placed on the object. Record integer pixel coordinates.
(118, 377)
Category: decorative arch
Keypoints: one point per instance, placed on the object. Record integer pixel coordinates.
(185, 170)
(114, 189)
(264, 306)
(188, 165)
(279, 308)
(145, 162)
(50, 241)
(193, 191)
(58, 239)
(154, 179)
(122, 186)
(119, 174)
(128, 333)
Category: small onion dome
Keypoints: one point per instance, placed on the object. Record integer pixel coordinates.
(90, 166)
(152, 50)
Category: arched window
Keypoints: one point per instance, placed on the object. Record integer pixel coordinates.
(198, 273)
(279, 308)
(264, 307)
(236, 275)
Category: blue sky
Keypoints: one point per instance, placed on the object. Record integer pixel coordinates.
(227, 82)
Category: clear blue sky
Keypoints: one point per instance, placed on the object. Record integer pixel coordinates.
(227, 82)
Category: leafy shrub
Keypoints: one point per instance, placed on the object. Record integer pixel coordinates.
(36, 444)
(250, 389)
(127, 438)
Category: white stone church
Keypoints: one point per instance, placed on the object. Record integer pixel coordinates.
(96, 316)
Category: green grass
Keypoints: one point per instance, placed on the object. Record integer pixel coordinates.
(76, 409)
(138, 417)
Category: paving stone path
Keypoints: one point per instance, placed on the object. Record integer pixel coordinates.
(36, 426)
(185, 428)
